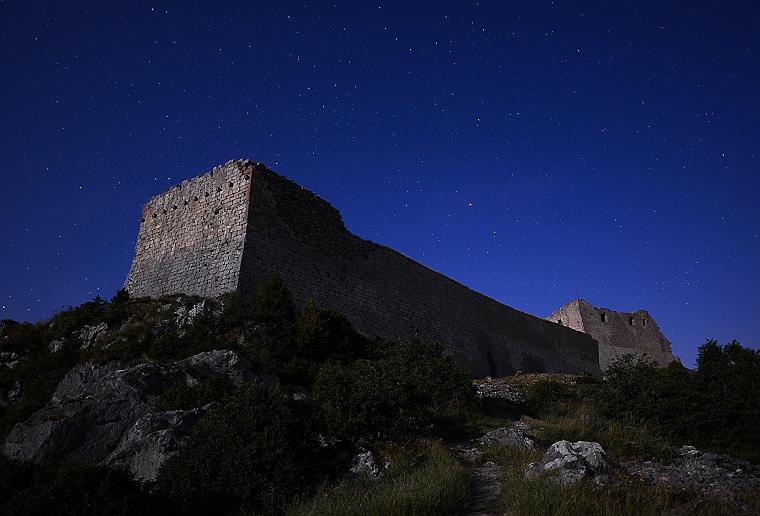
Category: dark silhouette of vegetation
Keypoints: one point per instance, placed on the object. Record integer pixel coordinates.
(181, 397)
(69, 488)
(252, 452)
(393, 394)
(715, 407)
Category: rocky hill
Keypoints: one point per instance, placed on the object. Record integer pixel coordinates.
(186, 405)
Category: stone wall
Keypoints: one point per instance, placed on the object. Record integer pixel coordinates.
(192, 236)
(291, 231)
(618, 333)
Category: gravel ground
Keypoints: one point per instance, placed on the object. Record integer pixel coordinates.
(704, 472)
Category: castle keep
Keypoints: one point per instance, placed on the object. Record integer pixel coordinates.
(233, 226)
(618, 333)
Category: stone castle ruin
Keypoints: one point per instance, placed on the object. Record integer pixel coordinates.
(618, 333)
(232, 227)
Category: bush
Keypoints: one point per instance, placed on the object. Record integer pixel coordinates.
(425, 480)
(715, 407)
(181, 397)
(395, 394)
(728, 380)
(273, 302)
(250, 452)
(68, 488)
(321, 335)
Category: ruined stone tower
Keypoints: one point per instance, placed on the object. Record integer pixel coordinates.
(232, 227)
(618, 333)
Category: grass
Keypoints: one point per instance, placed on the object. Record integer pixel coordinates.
(624, 440)
(563, 409)
(539, 496)
(424, 480)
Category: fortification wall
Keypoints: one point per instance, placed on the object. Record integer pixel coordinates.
(192, 236)
(293, 232)
(618, 333)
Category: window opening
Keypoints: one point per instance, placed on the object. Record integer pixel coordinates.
(630, 321)
(603, 317)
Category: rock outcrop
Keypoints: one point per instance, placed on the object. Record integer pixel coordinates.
(704, 472)
(152, 439)
(508, 437)
(105, 413)
(573, 461)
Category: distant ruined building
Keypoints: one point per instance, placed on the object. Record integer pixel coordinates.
(237, 224)
(618, 333)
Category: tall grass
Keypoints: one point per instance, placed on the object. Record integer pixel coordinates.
(539, 496)
(623, 439)
(562, 409)
(427, 481)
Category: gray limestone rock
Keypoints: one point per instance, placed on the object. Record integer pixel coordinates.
(89, 333)
(572, 460)
(55, 346)
(509, 437)
(90, 410)
(364, 462)
(226, 362)
(14, 392)
(181, 318)
(104, 413)
(10, 359)
(704, 472)
(152, 439)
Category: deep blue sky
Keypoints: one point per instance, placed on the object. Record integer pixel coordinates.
(534, 151)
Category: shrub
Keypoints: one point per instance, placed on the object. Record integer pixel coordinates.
(394, 394)
(181, 397)
(250, 452)
(273, 302)
(426, 480)
(321, 335)
(168, 346)
(728, 379)
(68, 488)
(715, 406)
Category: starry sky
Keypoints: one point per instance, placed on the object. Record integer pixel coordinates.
(535, 151)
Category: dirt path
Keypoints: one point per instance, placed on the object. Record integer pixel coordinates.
(485, 477)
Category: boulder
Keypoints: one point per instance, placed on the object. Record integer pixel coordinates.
(572, 460)
(55, 345)
(226, 362)
(10, 359)
(508, 437)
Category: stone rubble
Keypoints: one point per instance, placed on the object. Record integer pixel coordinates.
(490, 388)
(508, 437)
(705, 472)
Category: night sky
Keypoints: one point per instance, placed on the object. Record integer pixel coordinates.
(534, 151)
